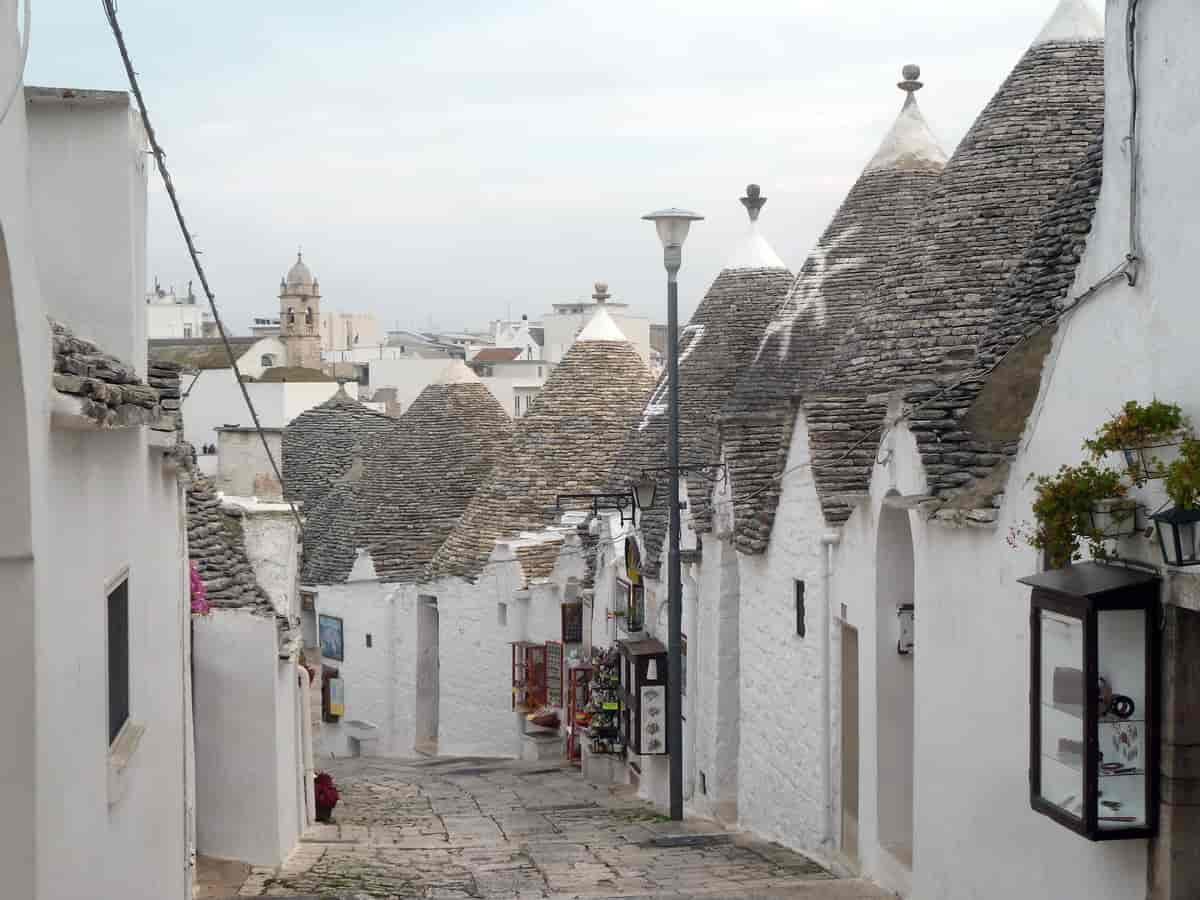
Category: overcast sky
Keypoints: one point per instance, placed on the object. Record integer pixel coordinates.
(446, 161)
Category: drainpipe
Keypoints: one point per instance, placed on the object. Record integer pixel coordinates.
(829, 540)
(310, 800)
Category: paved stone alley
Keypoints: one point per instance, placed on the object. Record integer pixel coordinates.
(484, 828)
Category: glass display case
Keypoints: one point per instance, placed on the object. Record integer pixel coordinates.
(1094, 705)
(644, 696)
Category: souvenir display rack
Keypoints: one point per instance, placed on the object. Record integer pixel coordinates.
(644, 696)
(604, 703)
(1094, 664)
(579, 684)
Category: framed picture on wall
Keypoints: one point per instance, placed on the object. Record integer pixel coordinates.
(332, 643)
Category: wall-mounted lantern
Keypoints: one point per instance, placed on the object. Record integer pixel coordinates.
(1179, 536)
(1094, 699)
(906, 613)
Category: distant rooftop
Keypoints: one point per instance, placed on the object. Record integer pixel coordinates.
(76, 95)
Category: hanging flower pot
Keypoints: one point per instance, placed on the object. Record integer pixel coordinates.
(1078, 505)
(1114, 517)
(1147, 436)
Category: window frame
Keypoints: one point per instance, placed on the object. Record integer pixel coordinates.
(119, 580)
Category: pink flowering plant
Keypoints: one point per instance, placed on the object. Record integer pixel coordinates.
(199, 596)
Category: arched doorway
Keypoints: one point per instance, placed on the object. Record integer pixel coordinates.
(894, 686)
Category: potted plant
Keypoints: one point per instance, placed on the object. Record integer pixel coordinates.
(1079, 504)
(1178, 527)
(326, 795)
(1146, 434)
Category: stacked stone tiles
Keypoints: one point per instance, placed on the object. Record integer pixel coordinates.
(968, 435)
(538, 559)
(937, 296)
(320, 444)
(567, 443)
(410, 491)
(111, 393)
(215, 545)
(829, 293)
(716, 345)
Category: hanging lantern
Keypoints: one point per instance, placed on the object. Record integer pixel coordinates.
(1178, 533)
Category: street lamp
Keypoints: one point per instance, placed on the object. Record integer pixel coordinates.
(645, 490)
(673, 225)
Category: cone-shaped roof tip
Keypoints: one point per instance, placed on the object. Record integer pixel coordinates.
(1072, 21)
(753, 250)
(602, 328)
(910, 143)
(458, 372)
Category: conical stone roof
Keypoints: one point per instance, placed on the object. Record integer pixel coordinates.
(567, 443)
(408, 492)
(936, 298)
(714, 348)
(319, 445)
(216, 546)
(828, 295)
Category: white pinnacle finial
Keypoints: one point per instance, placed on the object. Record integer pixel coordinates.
(602, 328)
(458, 372)
(1072, 21)
(909, 144)
(753, 251)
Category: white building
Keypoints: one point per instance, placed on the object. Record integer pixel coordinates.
(95, 763)
(169, 315)
(514, 380)
(346, 331)
(561, 327)
(212, 398)
(254, 748)
(371, 531)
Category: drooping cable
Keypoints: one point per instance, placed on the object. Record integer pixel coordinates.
(160, 160)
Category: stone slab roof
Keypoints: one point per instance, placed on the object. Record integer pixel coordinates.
(936, 297)
(967, 436)
(716, 346)
(216, 546)
(320, 444)
(828, 295)
(935, 300)
(496, 354)
(198, 353)
(110, 391)
(406, 493)
(567, 443)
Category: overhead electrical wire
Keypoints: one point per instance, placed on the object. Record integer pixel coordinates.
(160, 159)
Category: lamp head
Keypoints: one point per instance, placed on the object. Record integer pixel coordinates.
(644, 490)
(673, 225)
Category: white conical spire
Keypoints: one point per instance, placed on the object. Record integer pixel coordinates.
(602, 328)
(1072, 21)
(458, 372)
(910, 144)
(753, 250)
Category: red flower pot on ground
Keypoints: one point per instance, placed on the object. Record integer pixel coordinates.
(326, 795)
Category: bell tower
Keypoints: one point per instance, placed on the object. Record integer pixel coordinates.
(300, 316)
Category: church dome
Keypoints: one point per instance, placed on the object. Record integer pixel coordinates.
(299, 275)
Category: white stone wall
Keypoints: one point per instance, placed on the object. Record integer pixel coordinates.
(174, 320)
(269, 534)
(76, 510)
(249, 760)
(242, 461)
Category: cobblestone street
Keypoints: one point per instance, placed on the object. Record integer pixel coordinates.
(476, 828)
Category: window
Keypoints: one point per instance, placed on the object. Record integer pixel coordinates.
(502, 614)
(539, 371)
(517, 405)
(800, 625)
(267, 360)
(187, 331)
(118, 658)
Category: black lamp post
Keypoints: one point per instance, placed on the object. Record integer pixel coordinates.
(673, 225)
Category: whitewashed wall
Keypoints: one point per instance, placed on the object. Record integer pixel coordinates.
(249, 761)
(972, 677)
(270, 537)
(242, 459)
(76, 829)
(780, 774)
